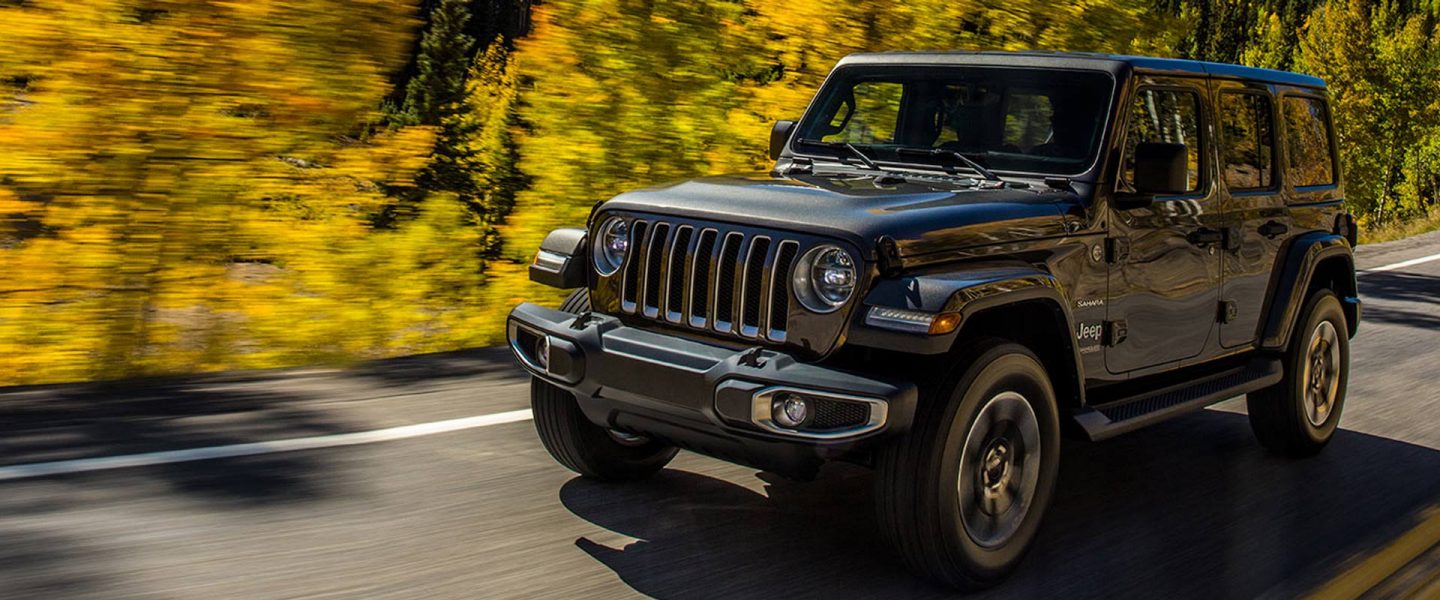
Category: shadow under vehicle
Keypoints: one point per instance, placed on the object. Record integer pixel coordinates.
(957, 259)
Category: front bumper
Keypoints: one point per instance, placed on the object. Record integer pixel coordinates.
(699, 396)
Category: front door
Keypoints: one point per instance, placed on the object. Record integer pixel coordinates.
(1165, 272)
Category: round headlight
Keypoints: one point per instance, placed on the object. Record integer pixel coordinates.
(824, 278)
(611, 243)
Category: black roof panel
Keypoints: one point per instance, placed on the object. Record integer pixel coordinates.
(1086, 60)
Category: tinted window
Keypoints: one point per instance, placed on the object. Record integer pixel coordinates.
(1029, 120)
(1307, 140)
(877, 107)
(1170, 117)
(1249, 147)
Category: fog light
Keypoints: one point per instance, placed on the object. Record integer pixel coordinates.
(791, 410)
(542, 352)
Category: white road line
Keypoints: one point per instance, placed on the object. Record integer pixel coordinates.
(64, 467)
(1401, 265)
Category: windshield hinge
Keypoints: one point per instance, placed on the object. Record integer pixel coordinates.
(1117, 249)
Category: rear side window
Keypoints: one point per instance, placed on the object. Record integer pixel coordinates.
(1165, 116)
(1249, 152)
(1307, 140)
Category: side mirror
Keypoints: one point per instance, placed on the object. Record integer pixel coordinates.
(779, 135)
(562, 260)
(1160, 169)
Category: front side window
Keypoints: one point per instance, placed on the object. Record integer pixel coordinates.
(1249, 143)
(1021, 120)
(1169, 117)
(1307, 141)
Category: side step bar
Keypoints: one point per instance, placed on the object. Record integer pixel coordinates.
(1128, 414)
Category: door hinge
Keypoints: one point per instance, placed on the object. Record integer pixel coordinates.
(1117, 250)
(1115, 332)
(1228, 311)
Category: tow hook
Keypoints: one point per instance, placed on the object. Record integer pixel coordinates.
(751, 358)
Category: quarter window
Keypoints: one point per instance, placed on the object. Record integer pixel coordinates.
(1307, 140)
(1170, 117)
(1249, 150)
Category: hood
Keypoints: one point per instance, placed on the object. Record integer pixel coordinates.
(933, 215)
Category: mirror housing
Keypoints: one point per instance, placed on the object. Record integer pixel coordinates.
(562, 261)
(779, 135)
(1161, 168)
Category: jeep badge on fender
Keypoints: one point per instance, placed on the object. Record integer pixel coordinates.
(954, 255)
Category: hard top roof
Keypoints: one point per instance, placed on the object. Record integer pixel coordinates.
(1084, 60)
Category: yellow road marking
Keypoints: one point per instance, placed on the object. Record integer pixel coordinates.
(1369, 573)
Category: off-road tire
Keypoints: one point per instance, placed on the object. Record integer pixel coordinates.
(1281, 415)
(918, 476)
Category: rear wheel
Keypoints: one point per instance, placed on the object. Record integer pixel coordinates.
(1299, 415)
(584, 447)
(960, 497)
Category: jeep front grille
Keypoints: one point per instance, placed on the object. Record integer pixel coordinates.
(707, 278)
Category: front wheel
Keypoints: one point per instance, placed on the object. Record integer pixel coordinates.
(1299, 415)
(960, 497)
(589, 449)
(584, 447)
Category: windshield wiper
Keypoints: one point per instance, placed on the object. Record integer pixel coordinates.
(847, 146)
(984, 172)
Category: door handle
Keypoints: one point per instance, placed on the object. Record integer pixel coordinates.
(1205, 236)
(1273, 229)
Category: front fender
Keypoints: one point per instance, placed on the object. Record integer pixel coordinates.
(1291, 281)
(966, 292)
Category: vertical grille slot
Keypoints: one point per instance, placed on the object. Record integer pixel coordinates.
(752, 296)
(725, 282)
(700, 278)
(630, 283)
(780, 290)
(675, 279)
(654, 255)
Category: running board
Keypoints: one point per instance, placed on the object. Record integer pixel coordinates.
(1128, 414)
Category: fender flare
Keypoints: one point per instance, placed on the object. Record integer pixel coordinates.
(1295, 268)
(968, 291)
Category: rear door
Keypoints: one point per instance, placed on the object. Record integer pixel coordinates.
(1256, 219)
(1164, 287)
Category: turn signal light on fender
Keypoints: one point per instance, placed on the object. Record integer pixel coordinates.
(944, 323)
(913, 321)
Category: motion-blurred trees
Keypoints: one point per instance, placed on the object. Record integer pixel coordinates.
(179, 193)
(212, 184)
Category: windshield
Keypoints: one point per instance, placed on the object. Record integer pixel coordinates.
(1018, 120)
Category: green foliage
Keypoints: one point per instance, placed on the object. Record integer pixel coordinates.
(439, 83)
(1383, 67)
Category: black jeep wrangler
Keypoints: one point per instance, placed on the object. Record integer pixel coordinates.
(957, 258)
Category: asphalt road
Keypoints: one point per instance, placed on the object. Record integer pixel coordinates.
(1190, 508)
